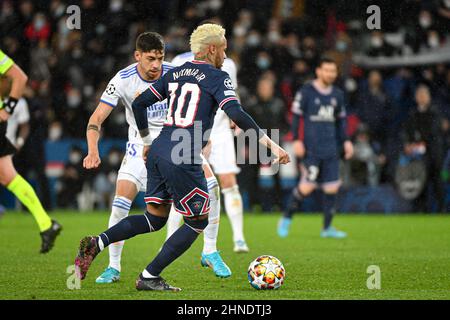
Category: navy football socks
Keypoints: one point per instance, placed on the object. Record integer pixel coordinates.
(176, 245)
(329, 208)
(293, 203)
(132, 226)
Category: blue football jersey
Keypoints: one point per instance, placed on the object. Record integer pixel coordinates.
(324, 119)
(194, 91)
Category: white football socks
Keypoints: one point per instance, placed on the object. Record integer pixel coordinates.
(212, 230)
(120, 209)
(235, 211)
(148, 275)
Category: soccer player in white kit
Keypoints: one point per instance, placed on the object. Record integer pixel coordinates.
(132, 178)
(223, 160)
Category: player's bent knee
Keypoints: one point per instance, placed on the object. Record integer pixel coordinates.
(7, 171)
(155, 222)
(306, 188)
(331, 189)
(227, 180)
(198, 223)
(160, 210)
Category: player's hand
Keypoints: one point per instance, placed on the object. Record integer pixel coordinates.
(348, 150)
(145, 152)
(282, 157)
(299, 148)
(92, 161)
(4, 116)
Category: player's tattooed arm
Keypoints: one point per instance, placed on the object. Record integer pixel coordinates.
(92, 159)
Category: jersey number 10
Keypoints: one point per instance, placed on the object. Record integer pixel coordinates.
(192, 105)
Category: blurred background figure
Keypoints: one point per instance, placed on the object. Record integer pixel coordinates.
(104, 182)
(72, 180)
(423, 137)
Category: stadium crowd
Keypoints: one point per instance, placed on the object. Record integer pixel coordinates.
(396, 80)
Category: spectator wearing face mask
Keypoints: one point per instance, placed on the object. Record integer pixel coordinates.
(38, 29)
(378, 47)
(424, 33)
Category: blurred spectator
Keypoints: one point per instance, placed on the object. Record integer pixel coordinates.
(373, 107)
(378, 45)
(365, 166)
(105, 181)
(269, 112)
(72, 181)
(422, 136)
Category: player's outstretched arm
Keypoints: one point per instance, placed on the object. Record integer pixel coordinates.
(92, 160)
(246, 122)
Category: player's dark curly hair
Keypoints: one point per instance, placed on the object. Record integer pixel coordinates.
(149, 41)
(325, 59)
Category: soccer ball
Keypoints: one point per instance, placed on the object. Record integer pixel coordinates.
(266, 272)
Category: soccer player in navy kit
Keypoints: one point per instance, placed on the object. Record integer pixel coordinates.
(319, 115)
(174, 173)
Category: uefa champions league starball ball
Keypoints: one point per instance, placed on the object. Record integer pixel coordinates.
(266, 272)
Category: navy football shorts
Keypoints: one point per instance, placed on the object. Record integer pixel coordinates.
(183, 185)
(320, 171)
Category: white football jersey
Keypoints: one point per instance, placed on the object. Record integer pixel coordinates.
(20, 116)
(126, 85)
(221, 120)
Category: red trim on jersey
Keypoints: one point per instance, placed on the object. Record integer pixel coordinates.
(224, 101)
(156, 93)
(157, 200)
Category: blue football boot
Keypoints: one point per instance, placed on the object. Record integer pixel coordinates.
(331, 232)
(215, 262)
(283, 227)
(110, 275)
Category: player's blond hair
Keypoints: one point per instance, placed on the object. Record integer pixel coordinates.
(205, 35)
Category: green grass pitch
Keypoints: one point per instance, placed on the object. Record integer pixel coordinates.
(412, 252)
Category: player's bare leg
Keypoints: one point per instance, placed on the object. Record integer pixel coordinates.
(14, 182)
(330, 191)
(126, 192)
(234, 209)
